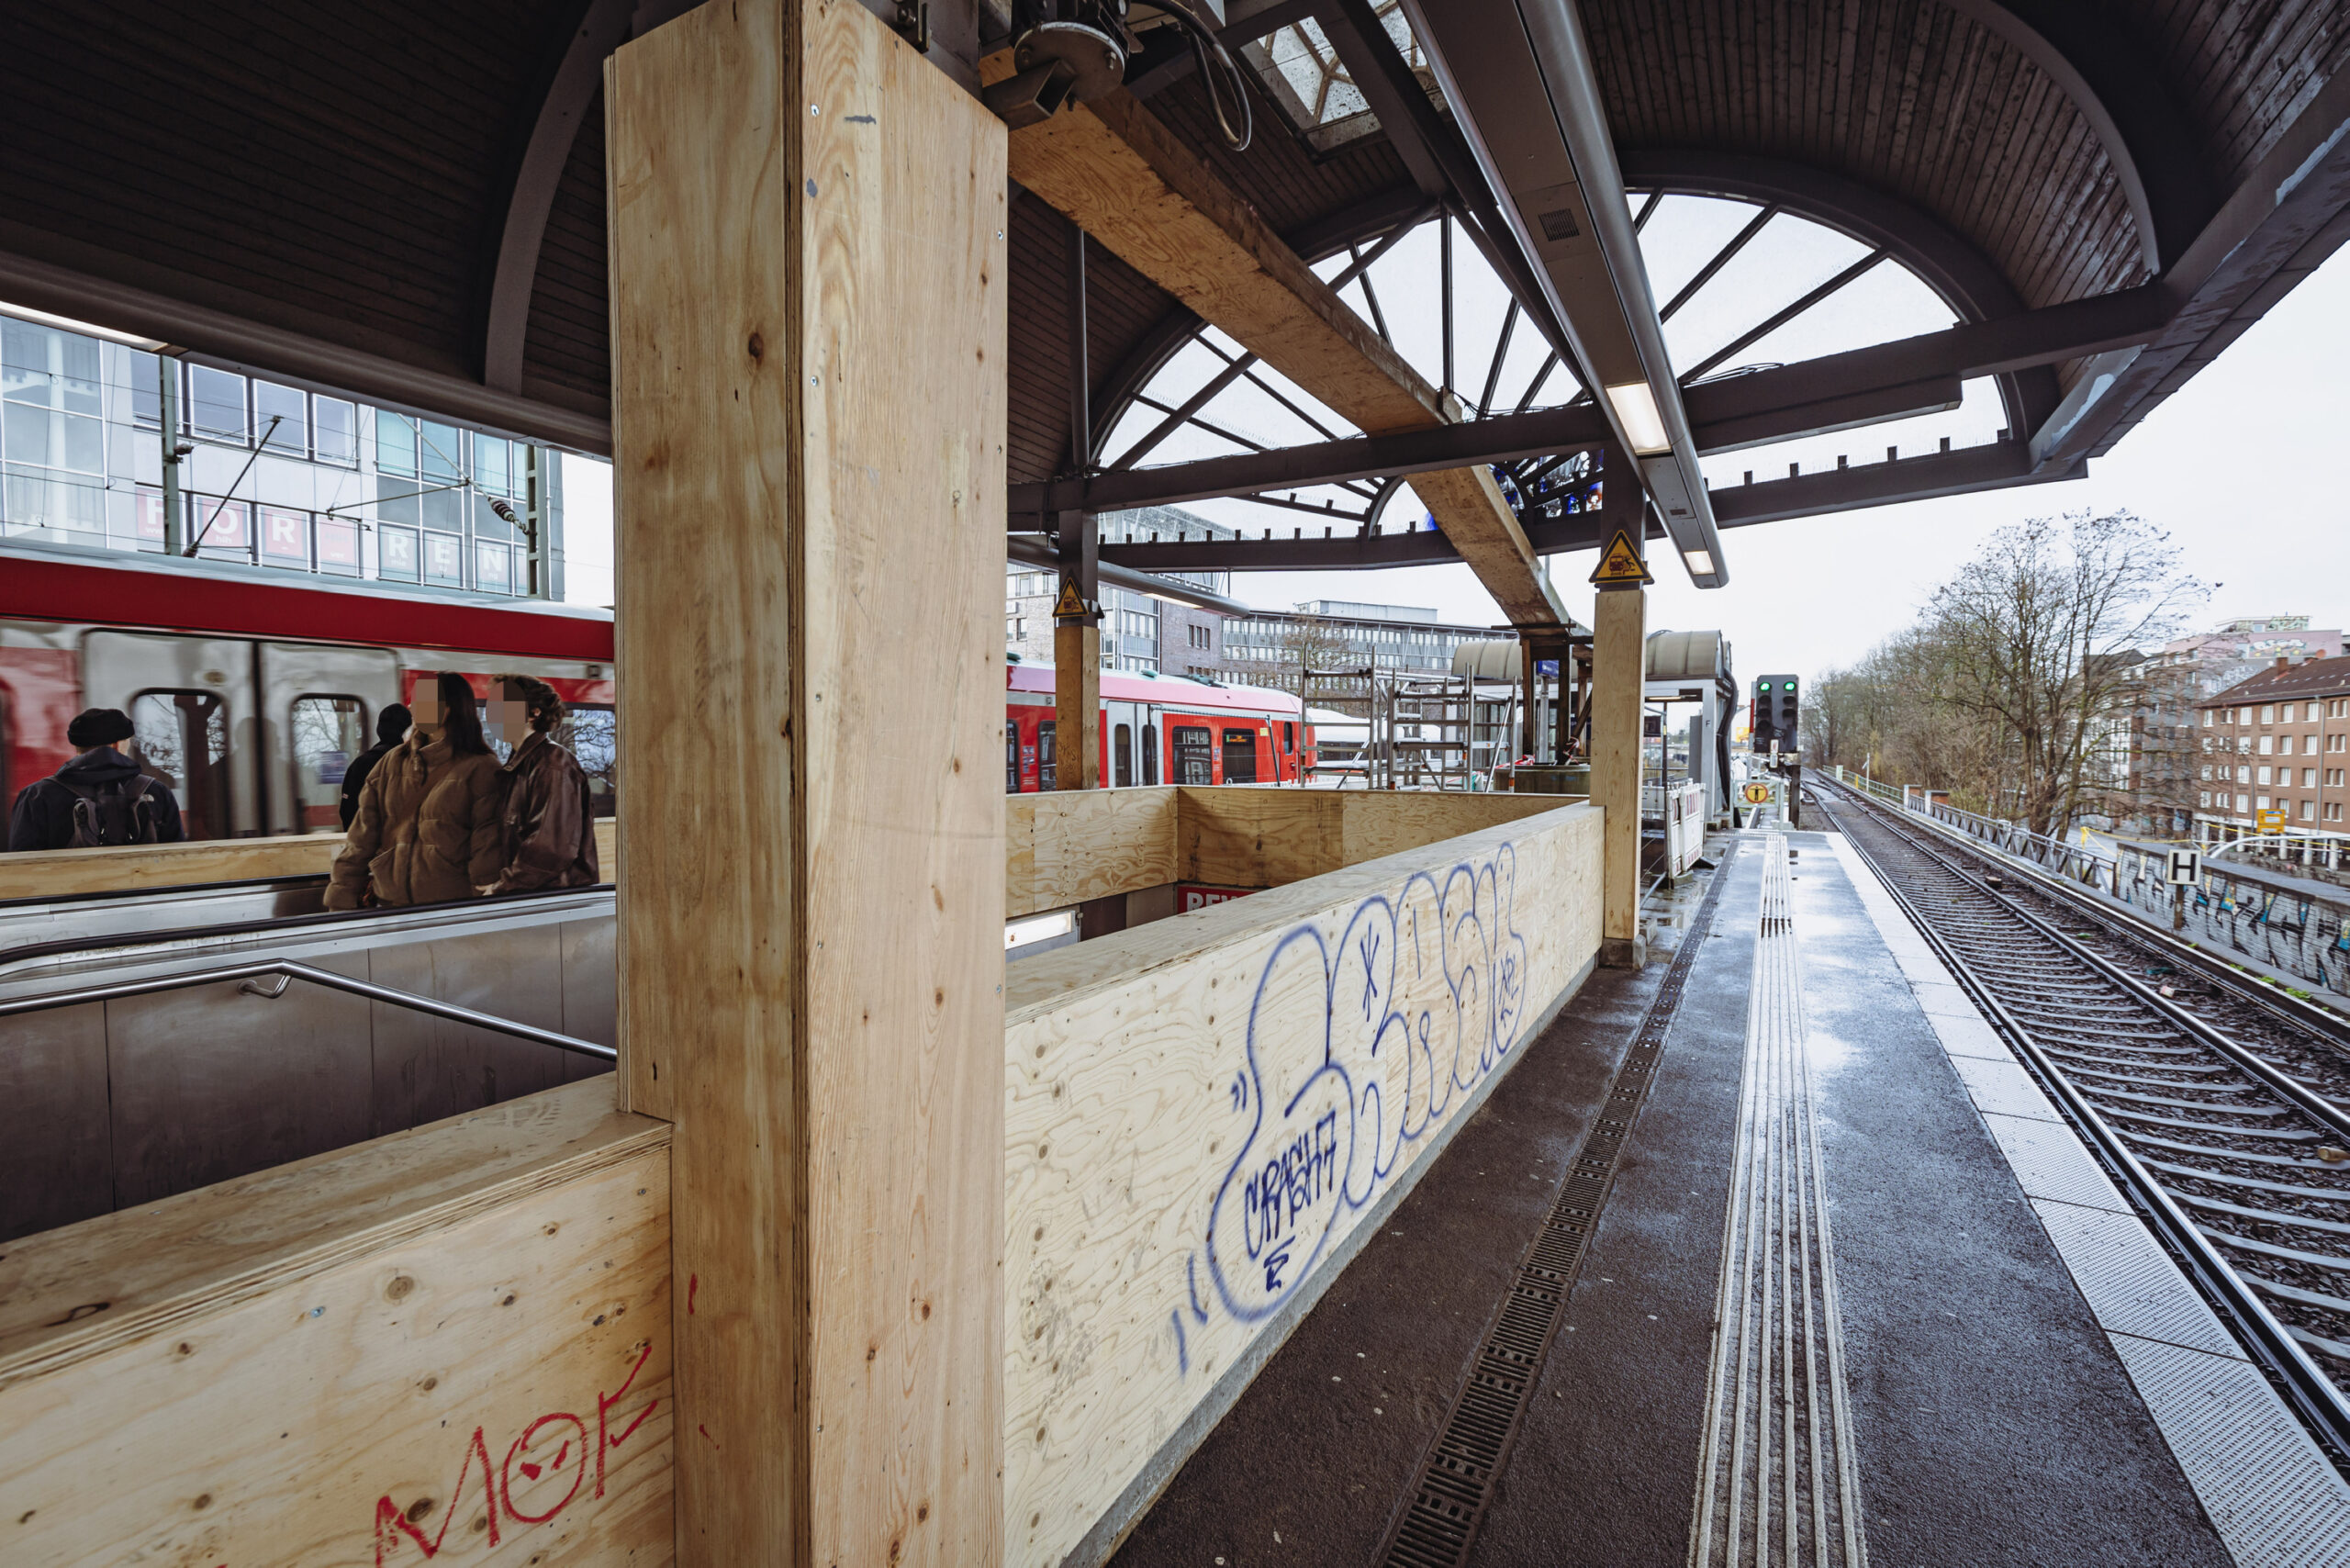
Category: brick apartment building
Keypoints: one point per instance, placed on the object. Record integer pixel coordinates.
(2280, 741)
(2148, 757)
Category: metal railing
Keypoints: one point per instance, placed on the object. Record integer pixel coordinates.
(286, 970)
(2304, 937)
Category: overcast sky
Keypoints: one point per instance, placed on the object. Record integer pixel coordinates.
(2242, 466)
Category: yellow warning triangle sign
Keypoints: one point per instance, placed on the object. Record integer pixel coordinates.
(1621, 564)
(1070, 603)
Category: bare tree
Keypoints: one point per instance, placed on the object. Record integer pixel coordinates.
(2039, 634)
(1320, 648)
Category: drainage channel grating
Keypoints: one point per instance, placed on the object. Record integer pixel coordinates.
(1456, 1481)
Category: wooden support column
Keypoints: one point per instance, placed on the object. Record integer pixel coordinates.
(1076, 659)
(809, 392)
(1619, 624)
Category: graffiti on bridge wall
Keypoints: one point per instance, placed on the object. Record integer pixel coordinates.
(1360, 1039)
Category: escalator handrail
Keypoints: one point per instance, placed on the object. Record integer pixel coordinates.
(167, 935)
(292, 970)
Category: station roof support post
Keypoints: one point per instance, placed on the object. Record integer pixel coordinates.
(1620, 677)
(809, 286)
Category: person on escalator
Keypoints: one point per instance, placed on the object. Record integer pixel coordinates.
(547, 837)
(427, 828)
(102, 797)
(391, 728)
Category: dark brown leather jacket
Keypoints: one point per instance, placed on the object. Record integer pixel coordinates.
(547, 837)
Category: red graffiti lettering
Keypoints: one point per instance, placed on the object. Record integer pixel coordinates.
(388, 1513)
(532, 1471)
(605, 1442)
(391, 1523)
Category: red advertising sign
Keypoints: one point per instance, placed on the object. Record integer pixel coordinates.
(1190, 896)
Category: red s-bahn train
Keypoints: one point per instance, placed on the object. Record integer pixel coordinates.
(251, 689)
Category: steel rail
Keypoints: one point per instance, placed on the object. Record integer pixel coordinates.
(2315, 1106)
(292, 970)
(2314, 1396)
(2124, 921)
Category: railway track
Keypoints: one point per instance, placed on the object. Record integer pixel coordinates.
(2219, 1113)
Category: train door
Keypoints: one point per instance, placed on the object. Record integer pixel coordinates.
(1121, 733)
(196, 716)
(319, 705)
(1240, 756)
(1149, 747)
(1048, 774)
(1012, 757)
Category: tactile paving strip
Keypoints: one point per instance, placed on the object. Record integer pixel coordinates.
(2270, 1494)
(1777, 1475)
(2050, 1162)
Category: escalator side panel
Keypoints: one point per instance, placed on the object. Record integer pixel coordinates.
(56, 1159)
(590, 989)
(214, 1082)
(429, 1068)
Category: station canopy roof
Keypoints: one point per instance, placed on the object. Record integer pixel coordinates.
(404, 200)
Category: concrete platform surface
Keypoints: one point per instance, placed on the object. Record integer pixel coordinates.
(1988, 1416)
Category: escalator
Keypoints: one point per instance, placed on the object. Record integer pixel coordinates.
(156, 1042)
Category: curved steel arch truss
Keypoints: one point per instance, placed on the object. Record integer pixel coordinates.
(1549, 458)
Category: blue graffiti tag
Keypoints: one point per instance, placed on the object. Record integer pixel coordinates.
(1334, 1105)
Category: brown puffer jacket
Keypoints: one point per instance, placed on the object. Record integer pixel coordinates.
(546, 837)
(427, 830)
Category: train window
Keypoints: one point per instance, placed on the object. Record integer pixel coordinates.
(1046, 775)
(1289, 736)
(1150, 754)
(1012, 760)
(182, 737)
(1195, 754)
(328, 733)
(1121, 756)
(1240, 756)
(590, 732)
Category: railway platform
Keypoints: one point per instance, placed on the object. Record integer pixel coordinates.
(1773, 1251)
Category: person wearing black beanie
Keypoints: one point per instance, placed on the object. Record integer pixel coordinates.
(101, 798)
(391, 728)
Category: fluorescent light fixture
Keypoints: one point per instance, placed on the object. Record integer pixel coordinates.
(67, 323)
(1701, 562)
(1635, 408)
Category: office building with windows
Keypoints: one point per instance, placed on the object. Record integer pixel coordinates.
(1139, 634)
(1333, 635)
(266, 473)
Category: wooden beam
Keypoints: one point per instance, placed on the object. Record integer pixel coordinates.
(1121, 175)
(808, 347)
(1618, 657)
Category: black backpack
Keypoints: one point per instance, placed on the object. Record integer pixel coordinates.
(121, 812)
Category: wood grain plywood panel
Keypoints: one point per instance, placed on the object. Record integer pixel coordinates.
(809, 331)
(1249, 837)
(1617, 655)
(456, 1338)
(1194, 1135)
(1064, 848)
(1382, 821)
